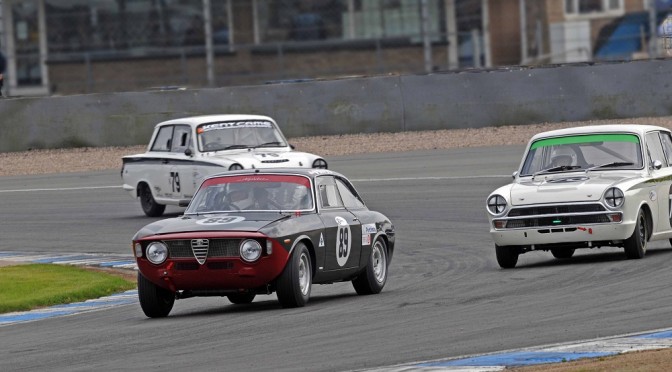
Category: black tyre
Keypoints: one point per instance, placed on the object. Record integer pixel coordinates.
(149, 205)
(241, 298)
(294, 284)
(373, 278)
(507, 257)
(562, 253)
(156, 302)
(635, 245)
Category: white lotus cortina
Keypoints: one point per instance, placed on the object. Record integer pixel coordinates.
(586, 187)
(183, 152)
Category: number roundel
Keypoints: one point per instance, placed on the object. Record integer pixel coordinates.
(343, 241)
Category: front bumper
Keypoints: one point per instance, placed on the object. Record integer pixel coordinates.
(611, 232)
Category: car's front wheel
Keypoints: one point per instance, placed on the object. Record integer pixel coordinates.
(156, 302)
(373, 278)
(241, 298)
(294, 284)
(562, 253)
(507, 256)
(635, 245)
(149, 205)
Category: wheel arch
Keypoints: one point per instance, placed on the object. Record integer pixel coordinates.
(311, 250)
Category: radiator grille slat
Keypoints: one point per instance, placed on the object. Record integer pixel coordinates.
(216, 248)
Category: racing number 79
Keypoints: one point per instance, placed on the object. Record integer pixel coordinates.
(175, 181)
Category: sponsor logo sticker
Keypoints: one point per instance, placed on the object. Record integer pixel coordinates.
(369, 228)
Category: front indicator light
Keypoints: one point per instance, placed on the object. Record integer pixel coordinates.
(615, 217)
(157, 252)
(137, 249)
(250, 250)
(499, 224)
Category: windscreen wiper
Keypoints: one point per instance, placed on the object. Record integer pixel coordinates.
(611, 164)
(560, 168)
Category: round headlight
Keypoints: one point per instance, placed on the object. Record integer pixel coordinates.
(157, 252)
(320, 164)
(235, 166)
(496, 204)
(614, 197)
(250, 250)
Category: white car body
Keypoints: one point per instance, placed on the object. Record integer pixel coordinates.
(183, 152)
(585, 202)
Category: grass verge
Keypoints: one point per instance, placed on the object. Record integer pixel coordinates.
(26, 287)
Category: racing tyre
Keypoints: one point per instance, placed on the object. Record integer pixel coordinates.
(635, 245)
(562, 253)
(156, 302)
(507, 257)
(241, 298)
(374, 277)
(293, 285)
(149, 205)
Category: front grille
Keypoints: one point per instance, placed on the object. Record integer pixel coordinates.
(182, 248)
(555, 209)
(557, 221)
(551, 216)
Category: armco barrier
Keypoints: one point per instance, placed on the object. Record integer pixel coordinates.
(357, 105)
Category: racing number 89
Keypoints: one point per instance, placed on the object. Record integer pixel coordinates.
(342, 242)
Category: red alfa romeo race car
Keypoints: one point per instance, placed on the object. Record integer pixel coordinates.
(262, 231)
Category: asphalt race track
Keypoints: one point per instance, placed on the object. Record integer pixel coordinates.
(446, 296)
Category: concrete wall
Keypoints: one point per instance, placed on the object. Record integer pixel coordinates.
(376, 104)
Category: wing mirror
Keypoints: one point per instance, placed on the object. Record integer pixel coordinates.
(514, 175)
(188, 152)
(657, 164)
(292, 146)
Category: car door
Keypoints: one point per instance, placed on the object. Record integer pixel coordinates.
(157, 167)
(341, 239)
(665, 188)
(182, 168)
(662, 194)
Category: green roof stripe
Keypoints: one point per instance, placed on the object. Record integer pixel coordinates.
(585, 139)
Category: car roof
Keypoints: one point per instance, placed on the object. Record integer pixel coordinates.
(309, 172)
(639, 129)
(202, 119)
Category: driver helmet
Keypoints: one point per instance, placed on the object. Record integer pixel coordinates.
(563, 156)
(239, 195)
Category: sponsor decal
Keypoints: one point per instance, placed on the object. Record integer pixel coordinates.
(225, 220)
(369, 228)
(235, 124)
(253, 179)
(366, 239)
(321, 244)
(343, 241)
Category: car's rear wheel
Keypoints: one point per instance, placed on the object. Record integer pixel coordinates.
(241, 298)
(373, 278)
(635, 245)
(294, 284)
(156, 302)
(149, 205)
(562, 252)
(507, 256)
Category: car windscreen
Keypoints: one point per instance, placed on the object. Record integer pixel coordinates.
(582, 152)
(230, 135)
(260, 193)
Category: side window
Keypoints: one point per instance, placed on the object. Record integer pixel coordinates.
(655, 148)
(667, 146)
(163, 139)
(181, 138)
(350, 198)
(328, 192)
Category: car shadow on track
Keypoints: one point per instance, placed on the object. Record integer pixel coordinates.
(261, 304)
(593, 258)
